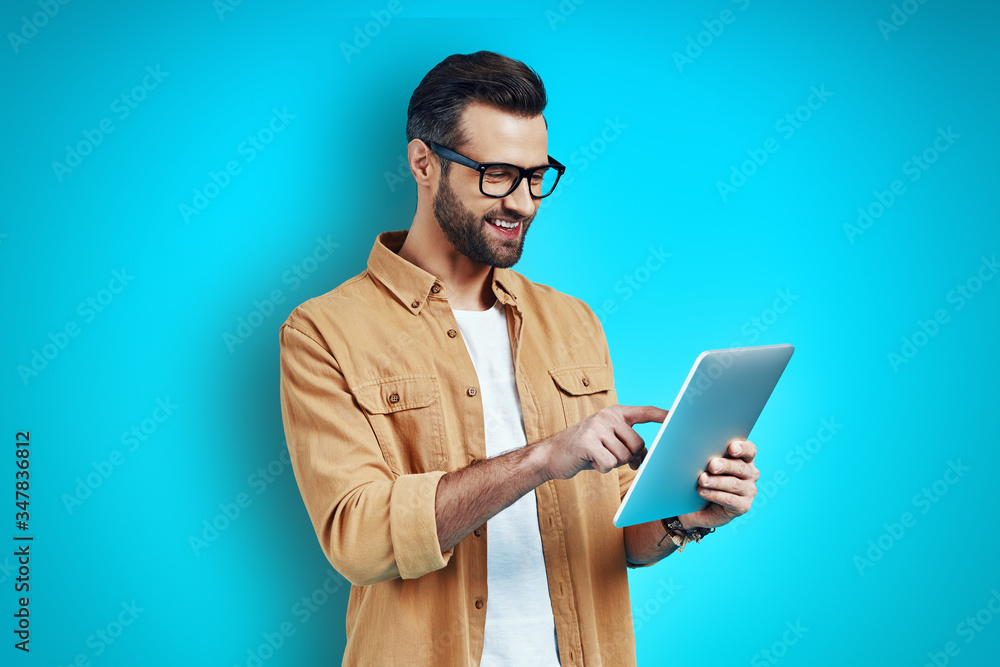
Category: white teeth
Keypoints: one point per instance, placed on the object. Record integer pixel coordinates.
(504, 224)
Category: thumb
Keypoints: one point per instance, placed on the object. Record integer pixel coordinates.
(640, 414)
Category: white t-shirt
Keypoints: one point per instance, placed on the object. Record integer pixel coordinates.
(520, 629)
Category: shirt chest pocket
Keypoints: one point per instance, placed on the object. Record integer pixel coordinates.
(406, 414)
(583, 389)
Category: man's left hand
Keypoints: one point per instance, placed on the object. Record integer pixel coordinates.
(729, 484)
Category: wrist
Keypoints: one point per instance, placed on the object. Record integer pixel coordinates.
(681, 532)
(537, 462)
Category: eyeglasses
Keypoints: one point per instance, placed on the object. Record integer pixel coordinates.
(499, 179)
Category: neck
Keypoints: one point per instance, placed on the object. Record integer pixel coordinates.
(469, 283)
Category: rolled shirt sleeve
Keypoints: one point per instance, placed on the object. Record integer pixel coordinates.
(372, 524)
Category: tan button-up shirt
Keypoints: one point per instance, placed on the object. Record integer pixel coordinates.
(380, 399)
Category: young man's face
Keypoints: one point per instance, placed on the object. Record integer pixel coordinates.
(465, 214)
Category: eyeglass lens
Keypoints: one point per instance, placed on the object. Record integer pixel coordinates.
(499, 181)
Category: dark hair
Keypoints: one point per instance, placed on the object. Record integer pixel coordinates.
(437, 103)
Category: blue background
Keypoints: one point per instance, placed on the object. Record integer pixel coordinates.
(652, 107)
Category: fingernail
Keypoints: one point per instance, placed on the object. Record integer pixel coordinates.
(736, 450)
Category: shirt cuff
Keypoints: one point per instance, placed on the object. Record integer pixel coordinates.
(413, 525)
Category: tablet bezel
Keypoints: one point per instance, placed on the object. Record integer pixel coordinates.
(674, 499)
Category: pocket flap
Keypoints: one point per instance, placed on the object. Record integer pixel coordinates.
(583, 378)
(392, 394)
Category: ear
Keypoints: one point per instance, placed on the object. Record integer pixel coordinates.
(424, 164)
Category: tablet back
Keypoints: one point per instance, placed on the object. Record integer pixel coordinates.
(720, 401)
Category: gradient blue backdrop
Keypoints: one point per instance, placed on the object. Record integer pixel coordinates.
(865, 545)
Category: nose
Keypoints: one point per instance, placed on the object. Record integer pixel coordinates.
(520, 200)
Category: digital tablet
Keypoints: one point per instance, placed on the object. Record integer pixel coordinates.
(719, 402)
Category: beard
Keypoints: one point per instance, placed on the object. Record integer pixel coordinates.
(469, 234)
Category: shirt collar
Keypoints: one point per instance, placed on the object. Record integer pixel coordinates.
(412, 285)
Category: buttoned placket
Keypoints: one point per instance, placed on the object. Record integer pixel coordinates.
(553, 546)
(550, 520)
(454, 350)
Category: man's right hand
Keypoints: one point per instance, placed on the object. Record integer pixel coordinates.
(603, 441)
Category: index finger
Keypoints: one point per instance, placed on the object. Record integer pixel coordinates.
(742, 449)
(640, 414)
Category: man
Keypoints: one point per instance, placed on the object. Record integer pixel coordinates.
(454, 427)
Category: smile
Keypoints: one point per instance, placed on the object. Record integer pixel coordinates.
(504, 224)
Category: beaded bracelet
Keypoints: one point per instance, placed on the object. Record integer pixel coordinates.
(679, 536)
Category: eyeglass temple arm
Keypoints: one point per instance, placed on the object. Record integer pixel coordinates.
(449, 154)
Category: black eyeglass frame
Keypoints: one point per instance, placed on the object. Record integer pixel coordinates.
(483, 167)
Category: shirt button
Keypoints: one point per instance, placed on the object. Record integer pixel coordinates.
(435, 288)
(472, 391)
(479, 603)
(586, 382)
(478, 532)
(394, 398)
(414, 304)
(452, 333)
